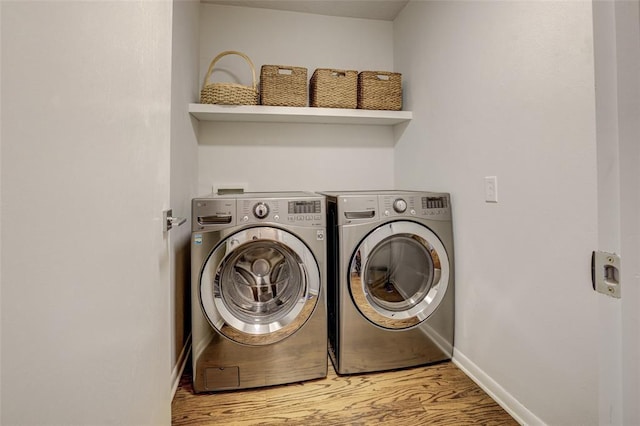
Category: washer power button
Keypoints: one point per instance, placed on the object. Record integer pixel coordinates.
(260, 210)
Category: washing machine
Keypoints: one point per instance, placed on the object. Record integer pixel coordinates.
(258, 290)
(391, 279)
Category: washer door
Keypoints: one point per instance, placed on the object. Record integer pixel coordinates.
(259, 286)
(399, 274)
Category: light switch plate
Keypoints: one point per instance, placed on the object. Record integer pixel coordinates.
(491, 189)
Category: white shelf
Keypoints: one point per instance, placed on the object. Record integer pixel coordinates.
(276, 114)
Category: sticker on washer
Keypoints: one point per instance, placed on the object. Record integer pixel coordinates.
(197, 239)
(320, 234)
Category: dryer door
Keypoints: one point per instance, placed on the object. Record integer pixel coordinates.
(399, 274)
(259, 285)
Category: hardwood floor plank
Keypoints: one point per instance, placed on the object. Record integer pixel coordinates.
(436, 394)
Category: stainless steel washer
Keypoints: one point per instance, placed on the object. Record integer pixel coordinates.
(258, 290)
(391, 281)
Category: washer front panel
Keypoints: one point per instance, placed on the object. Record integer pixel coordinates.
(259, 285)
(398, 274)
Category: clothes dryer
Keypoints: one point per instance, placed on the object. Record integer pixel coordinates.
(391, 279)
(258, 290)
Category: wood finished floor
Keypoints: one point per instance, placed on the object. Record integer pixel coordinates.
(438, 394)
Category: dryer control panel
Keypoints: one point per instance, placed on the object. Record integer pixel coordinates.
(359, 207)
(432, 206)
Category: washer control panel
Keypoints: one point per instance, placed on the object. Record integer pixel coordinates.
(300, 212)
(219, 213)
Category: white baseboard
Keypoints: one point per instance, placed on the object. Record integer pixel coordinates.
(511, 405)
(181, 363)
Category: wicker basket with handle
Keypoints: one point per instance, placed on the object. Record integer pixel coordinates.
(283, 85)
(380, 90)
(229, 93)
(333, 88)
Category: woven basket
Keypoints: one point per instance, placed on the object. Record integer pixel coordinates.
(380, 90)
(229, 93)
(333, 89)
(283, 85)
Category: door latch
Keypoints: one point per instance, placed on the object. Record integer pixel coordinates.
(168, 221)
(605, 273)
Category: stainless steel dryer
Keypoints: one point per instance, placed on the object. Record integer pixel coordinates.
(391, 284)
(258, 290)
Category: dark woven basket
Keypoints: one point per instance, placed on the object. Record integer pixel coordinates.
(333, 88)
(229, 93)
(380, 90)
(282, 85)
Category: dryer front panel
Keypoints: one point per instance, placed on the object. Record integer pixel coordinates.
(259, 286)
(399, 274)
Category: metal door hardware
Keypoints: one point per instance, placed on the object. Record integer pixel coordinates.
(605, 273)
(169, 221)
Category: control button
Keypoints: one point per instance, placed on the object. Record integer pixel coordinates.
(400, 205)
(309, 217)
(413, 211)
(260, 210)
(299, 217)
(245, 218)
(386, 212)
(276, 217)
(317, 217)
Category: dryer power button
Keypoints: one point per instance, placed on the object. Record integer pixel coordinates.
(400, 205)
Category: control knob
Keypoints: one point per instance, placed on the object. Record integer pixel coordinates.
(400, 205)
(260, 210)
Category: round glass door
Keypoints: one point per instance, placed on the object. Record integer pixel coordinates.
(399, 274)
(259, 286)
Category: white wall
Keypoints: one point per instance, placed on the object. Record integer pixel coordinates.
(293, 157)
(184, 171)
(85, 177)
(507, 89)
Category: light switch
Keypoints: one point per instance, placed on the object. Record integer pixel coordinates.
(491, 189)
